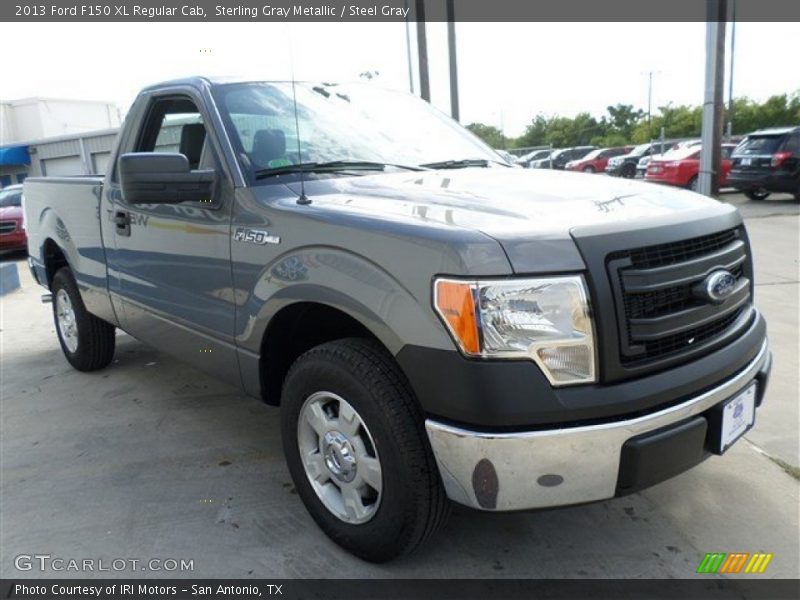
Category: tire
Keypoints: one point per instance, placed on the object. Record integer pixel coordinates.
(87, 341)
(411, 503)
(629, 171)
(757, 194)
(588, 169)
(692, 185)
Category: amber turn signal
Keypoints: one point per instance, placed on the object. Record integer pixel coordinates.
(455, 303)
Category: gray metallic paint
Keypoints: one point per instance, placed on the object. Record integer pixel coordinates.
(368, 246)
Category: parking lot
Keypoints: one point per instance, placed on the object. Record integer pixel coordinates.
(152, 459)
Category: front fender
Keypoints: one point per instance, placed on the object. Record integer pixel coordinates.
(345, 281)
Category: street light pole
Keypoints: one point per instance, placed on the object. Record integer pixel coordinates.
(408, 50)
(422, 45)
(451, 45)
(730, 75)
(708, 180)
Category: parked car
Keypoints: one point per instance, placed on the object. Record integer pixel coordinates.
(625, 165)
(767, 161)
(434, 325)
(526, 159)
(560, 157)
(596, 160)
(12, 229)
(506, 156)
(681, 167)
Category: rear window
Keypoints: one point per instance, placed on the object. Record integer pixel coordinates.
(760, 144)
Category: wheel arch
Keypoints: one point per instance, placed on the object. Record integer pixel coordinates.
(299, 327)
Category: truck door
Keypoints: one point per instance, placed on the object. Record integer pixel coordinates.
(172, 261)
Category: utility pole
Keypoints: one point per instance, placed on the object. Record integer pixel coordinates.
(408, 50)
(422, 45)
(451, 45)
(708, 181)
(730, 75)
(650, 98)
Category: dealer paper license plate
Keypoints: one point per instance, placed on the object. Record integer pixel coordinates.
(737, 416)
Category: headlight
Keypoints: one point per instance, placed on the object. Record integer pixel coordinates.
(545, 319)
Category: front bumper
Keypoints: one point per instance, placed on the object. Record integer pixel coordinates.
(571, 465)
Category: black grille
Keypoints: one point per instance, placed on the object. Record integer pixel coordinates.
(681, 341)
(676, 252)
(668, 300)
(661, 312)
(8, 226)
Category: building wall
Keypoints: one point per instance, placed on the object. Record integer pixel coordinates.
(13, 174)
(86, 154)
(37, 118)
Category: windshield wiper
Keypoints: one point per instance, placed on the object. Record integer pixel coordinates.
(329, 167)
(458, 164)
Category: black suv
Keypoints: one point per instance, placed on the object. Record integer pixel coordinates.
(559, 158)
(625, 165)
(766, 161)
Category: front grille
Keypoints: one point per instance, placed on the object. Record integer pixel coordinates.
(661, 308)
(8, 227)
(675, 252)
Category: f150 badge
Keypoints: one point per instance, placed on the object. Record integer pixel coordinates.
(255, 236)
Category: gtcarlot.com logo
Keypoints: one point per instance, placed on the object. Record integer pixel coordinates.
(734, 562)
(47, 562)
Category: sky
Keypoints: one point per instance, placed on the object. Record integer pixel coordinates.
(508, 72)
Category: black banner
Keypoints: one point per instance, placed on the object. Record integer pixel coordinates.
(378, 589)
(387, 10)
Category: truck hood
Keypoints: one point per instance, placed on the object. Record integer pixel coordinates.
(531, 213)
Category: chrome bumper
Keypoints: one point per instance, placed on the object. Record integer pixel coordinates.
(535, 469)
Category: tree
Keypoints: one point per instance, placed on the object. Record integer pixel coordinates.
(622, 119)
(489, 134)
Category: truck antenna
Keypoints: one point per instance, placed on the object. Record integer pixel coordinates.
(303, 199)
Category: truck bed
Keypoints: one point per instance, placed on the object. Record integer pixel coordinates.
(66, 210)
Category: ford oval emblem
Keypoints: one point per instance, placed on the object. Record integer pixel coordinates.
(718, 286)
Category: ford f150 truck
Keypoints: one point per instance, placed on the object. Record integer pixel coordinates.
(434, 324)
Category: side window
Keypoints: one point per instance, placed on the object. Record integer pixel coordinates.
(175, 125)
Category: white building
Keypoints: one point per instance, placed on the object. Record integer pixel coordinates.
(37, 118)
(53, 136)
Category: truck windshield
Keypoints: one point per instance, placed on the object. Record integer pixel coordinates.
(342, 124)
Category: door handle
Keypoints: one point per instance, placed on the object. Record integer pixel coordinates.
(122, 220)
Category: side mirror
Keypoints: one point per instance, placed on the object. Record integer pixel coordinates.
(163, 178)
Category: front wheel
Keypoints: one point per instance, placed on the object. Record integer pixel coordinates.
(356, 447)
(692, 185)
(87, 341)
(760, 194)
(588, 169)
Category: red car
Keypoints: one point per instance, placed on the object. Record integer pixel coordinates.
(12, 233)
(681, 166)
(596, 160)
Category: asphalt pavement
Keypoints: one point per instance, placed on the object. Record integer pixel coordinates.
(152, 459)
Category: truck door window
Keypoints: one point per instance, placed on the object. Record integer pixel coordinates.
(175, 125)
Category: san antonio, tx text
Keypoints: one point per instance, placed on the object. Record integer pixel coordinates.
(130, 589)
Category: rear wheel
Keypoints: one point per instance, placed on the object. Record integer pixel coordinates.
(588, 169)
(629, 171)
(87, 341)
(760, 194)
(356, 447)
(692, 185)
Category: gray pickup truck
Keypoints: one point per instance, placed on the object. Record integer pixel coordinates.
(435, 324)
